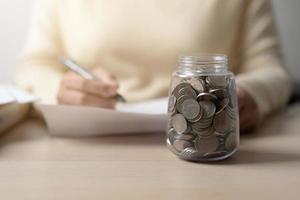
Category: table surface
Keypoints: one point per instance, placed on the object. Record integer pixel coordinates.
(34, 165)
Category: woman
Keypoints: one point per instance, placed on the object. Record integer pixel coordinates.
(132, 46)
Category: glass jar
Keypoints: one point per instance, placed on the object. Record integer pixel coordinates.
(203, 120)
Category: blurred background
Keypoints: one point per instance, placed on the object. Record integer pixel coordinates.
(15, 18)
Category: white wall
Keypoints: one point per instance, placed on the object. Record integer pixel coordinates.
(14, 18)
(15, 14)
(288, 17)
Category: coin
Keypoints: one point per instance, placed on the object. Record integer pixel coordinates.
(179, 123)
(206, 97)
(208, 107)
(172, 103)
(190, 109)
(222, 134)
(206, 132)
(189, 137)
(202, 123)
(217, 81)
(171, 147)
(198, 117)
(197, 83)
(221, 105)
(206, 144)
(203, 132)
(171, 135)
(180, 145)
(222, 123)
(178, 87)
(189, 91)
(231, 141)
(188, 129)
(219, 93)
(180, 101)
(189, 153)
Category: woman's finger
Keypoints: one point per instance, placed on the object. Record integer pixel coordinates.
(94, 87)
(75, 97)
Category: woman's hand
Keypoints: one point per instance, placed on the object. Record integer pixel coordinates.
(248, 110)
(75, 90)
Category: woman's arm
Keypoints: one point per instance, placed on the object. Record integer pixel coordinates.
(262, 75)
(39, 70)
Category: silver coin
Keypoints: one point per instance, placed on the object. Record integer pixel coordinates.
(180, 145)
(206, 144)
(222, 105)
(189, 153)
(188, 137)
(208, 107)
(203, 132)
(198, 117)
(172, 135)
(206, 132)
(180, 101)
(171, 147)
(231, 141)
(190, 109)
(178, 87)
(221, 146)
(187, 91)
(217, 81)
(188, 129)
(202, 124)
(179, 123)
(222, 134)
(205, 125)
(222, 122)
(206, 97)
(197, 84)
(219, 93)
(172, 103)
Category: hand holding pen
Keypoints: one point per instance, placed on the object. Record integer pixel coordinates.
(81, 87)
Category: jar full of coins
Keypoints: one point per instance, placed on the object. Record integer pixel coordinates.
(203, 120)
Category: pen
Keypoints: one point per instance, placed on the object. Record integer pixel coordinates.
(72, 65)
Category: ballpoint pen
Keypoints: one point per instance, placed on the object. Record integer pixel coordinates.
(72, 65)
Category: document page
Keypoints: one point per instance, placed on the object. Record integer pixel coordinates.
(13, 94)
(142, 117)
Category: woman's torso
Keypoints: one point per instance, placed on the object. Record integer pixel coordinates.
(139, 41)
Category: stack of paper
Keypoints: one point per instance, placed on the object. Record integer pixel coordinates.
(63, 120)
(142, 117)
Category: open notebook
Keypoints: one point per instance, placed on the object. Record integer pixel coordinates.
(62, 120)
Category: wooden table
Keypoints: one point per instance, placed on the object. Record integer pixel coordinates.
(34, 165)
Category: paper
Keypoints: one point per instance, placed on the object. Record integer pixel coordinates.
(5, 97)
(145, 117)
(10, 94)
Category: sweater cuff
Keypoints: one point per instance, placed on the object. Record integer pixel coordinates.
(249, 85)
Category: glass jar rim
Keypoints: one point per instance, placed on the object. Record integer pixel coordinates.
(203, 59)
